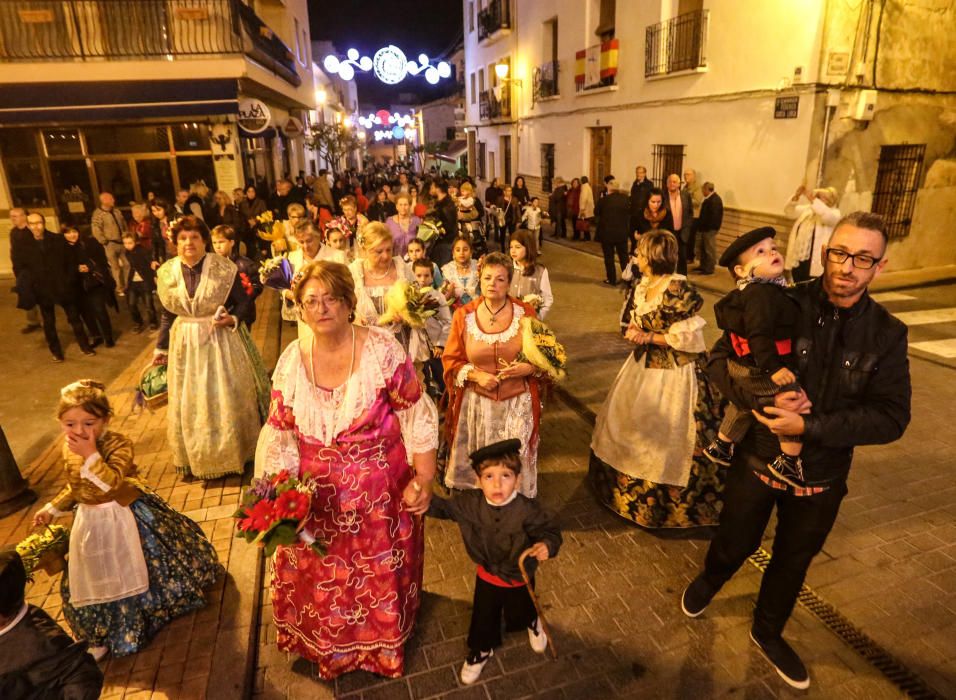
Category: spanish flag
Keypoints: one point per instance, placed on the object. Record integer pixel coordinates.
(595, 64)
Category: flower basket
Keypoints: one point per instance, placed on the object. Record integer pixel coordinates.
(152, 390)
(45, 550)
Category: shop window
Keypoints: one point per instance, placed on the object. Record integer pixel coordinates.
(127, 139)
(897, 183)
(481, 160)
(191, 137)
(18, 143)
(195, 168)
(72, 189)
(114, 176)
(62, 142)
(26, 183)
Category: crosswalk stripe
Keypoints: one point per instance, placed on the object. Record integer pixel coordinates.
(944, 348)
(921, 318)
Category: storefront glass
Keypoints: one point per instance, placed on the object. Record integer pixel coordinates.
(72, 190)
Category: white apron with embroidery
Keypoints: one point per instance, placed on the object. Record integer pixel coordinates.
(106, 555)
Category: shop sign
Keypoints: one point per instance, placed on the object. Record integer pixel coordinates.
(254, 115)
(786, 107)
(293, 128)
(838, 62)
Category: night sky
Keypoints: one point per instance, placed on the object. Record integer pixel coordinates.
(414, 26)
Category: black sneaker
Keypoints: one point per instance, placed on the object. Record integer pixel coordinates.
(719, 452)
(783, 658)
(788, 469)
(88, 351)
(697, 597)
(29, 328)
(137, 329)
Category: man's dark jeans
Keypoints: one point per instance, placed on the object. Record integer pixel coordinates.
(803, 523)
(609, 248)
(138, 294)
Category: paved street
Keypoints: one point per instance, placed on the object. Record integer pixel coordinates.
(611, 596)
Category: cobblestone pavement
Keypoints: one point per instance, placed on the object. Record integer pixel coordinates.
(611, 596)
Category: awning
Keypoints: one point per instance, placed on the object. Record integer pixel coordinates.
(453, 152)
(34, 103)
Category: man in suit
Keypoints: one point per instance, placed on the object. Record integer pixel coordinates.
(708, 224)
(640, 191)
(46, 276)
(19, 236)
(613, 217)
(681, 207)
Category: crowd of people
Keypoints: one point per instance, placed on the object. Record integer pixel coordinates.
(378, 413)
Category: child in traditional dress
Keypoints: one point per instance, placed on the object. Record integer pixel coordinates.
(224, 243)
(37, 658)
(431, 338)
(760, 318)
(336, 246)
(416, 251)
(497, 525)
(462, 273)
(135, 563)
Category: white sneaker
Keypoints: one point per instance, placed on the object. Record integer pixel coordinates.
(537, 637)
(98, 652)
(473, 666)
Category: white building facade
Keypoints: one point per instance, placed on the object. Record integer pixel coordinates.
(757, 97)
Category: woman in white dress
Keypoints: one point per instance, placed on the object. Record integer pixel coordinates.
(647, 461)
(374, 274)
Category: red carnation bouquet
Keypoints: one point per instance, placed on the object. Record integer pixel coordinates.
(274, 510)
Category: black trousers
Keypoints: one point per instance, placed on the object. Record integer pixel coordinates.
(681, 255)
(138, 294)
(803, 523)
(559, 225)
(609, 248)
(95, 315)
(48, 317)
(489, 604)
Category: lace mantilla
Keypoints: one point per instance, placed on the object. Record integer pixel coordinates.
(471, 323)
(323, 415)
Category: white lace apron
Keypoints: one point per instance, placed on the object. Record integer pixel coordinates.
(106, 555)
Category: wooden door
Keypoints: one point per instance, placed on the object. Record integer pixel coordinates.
(600, 154)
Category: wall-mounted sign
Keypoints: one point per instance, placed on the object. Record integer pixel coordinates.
(293, 127)
(838, 62)
(389, 65)
(786, 107)
(223, 145)
(254, 115)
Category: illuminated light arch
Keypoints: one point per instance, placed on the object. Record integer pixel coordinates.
(389, 64)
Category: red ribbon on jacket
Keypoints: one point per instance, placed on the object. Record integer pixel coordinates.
(742, 347)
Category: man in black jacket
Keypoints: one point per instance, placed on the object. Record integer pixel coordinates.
(613, 217)
(447, 213)
(708, 224)
(45, 275)
(20, 236)
(852, 363)
(640, 191)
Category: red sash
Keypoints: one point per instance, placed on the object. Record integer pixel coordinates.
(489, 577)
(742, 347)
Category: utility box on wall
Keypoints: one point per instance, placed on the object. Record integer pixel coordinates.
(863, 108)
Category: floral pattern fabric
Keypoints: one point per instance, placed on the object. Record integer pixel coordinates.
(181, 563)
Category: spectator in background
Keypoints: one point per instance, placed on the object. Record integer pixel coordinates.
(640, 191)
(283, 196)
(323, 191)
(681, 207)
(93, 288)
(520, 192)
(403, 225)
(180, 206)
(140, 227)
(613, 217)
(708, 224)
(163, 248)
(558, 208)
(814, 224)
(447, 213)
(223, 212)
(108, 227)
(696, 197)
(197, 203)
(574, 205)
(45, 278)
(141, 283)
(251, 206)
(20, 236)
(382, 208)
(586, 208)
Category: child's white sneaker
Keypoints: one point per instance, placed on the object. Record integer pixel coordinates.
(474, 664)
(98, 652)
(537, 637)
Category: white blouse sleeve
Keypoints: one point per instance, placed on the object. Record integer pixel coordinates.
(419, 426)
(276, 450)
(687, 335)
(546, 295)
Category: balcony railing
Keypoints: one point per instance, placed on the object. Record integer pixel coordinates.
(96, 30)
(491, 106)
(497, 15)
(676, 45)
(546, 81)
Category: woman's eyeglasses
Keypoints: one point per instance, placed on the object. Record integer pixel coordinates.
(313, 303)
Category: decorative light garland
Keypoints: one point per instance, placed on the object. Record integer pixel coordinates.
(389, 65)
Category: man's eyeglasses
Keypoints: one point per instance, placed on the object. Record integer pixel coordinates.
(861, 261)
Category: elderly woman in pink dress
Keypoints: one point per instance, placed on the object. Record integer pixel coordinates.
(403, 226)
(348, 410)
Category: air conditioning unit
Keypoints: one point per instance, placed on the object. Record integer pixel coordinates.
(864, 107)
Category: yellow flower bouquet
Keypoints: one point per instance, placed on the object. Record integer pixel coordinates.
(45, 550)
(541, 349)
(408, 304)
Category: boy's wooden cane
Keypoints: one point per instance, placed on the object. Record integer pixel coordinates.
(537, 607)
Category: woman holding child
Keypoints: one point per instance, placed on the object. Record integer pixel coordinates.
(348, 410)
(493, 397)
(647, 461)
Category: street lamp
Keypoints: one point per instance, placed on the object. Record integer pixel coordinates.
(321, 96)
(501, 70)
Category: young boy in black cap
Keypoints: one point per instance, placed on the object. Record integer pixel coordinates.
(497, 525)
(760, 319)
(37, 658)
